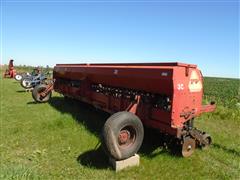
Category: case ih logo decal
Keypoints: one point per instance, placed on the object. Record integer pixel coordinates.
(115, 71)
(195, 84)
(164, 74)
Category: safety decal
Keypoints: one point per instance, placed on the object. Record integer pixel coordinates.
(195, 84)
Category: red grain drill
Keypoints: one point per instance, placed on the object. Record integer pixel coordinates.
(163, 96)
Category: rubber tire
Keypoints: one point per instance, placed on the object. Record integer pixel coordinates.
(37, 90)
(18, 77)
(23, 85)
(111, 130)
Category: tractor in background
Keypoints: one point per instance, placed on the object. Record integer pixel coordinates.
(10, 72)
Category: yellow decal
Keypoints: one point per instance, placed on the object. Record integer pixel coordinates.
(195, 84)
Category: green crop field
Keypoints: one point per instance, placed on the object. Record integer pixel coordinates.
(59, 139)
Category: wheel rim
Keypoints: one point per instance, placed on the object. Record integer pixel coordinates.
(18, 77)
(188, 147)
(26, 83)
(126, 136)
(39, 97)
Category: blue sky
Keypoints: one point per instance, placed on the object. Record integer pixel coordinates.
(199, 32)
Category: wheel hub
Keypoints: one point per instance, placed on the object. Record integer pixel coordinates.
(189, 147)
(123, 137)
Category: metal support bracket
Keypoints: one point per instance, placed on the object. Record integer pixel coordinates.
(198, 135)
(47, 90)
(133, 105)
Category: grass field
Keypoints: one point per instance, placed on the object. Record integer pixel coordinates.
(58, 140)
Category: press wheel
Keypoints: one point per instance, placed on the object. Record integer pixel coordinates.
(188, 146)
(207, 140)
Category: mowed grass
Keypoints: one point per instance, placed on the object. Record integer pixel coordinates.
(59, 140)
